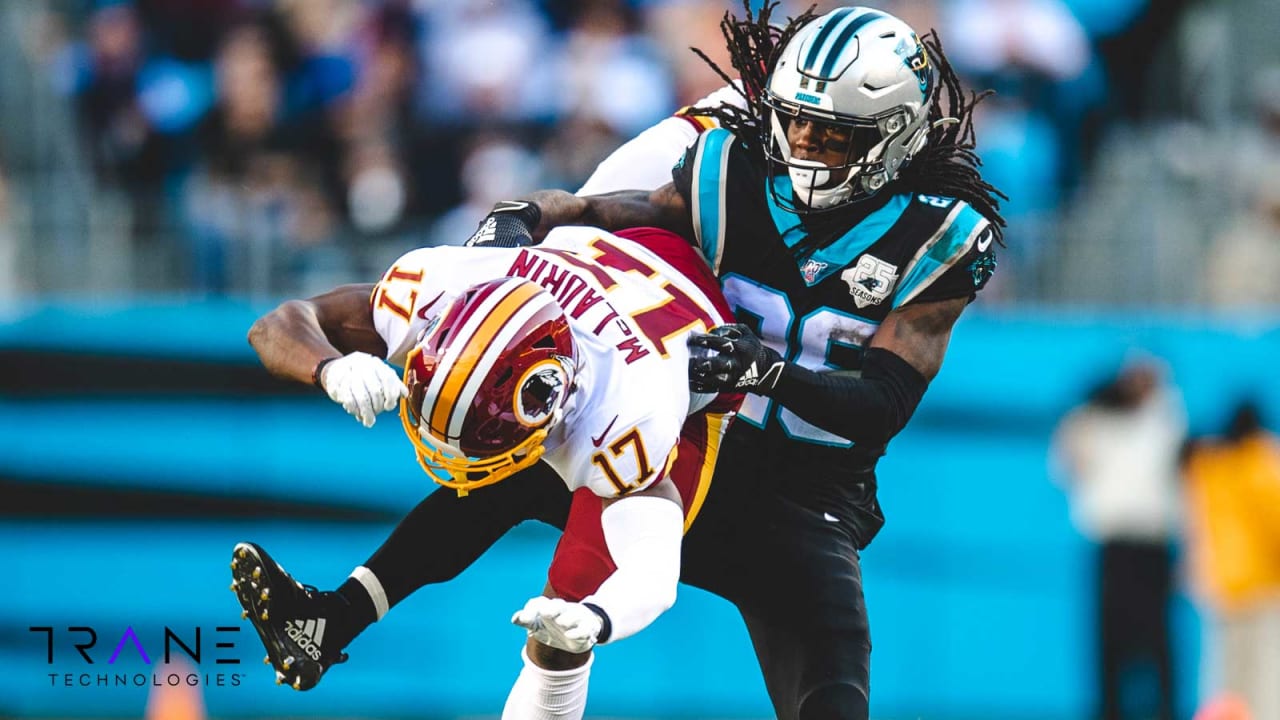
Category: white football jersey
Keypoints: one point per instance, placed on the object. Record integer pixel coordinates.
(630, 312)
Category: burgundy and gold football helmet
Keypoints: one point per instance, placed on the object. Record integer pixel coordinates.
(488, 380)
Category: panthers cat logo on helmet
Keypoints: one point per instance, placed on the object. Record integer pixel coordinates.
(488, 380)
(865, 79)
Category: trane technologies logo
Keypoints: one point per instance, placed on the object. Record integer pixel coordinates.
(176, 656)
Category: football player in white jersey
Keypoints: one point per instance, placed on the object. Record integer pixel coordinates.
(573, 353)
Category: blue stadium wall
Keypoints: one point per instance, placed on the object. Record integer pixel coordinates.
(139, 443)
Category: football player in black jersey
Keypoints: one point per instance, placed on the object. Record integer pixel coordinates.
(849, 226)
(845, 216)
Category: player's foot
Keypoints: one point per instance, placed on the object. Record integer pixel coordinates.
(290, 617)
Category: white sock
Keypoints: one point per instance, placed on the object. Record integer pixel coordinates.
(548, 694)
(371, 585)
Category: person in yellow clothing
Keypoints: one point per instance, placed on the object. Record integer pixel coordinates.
(1233, 542)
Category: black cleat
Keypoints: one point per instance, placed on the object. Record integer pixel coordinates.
(290, 617)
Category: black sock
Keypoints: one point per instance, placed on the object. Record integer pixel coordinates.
(444, 534)
(357, 613)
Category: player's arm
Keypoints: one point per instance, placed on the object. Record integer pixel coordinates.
(663, 208)
(528, 220)
(643, 531)
(904, 356)
(330, 341)
(295, 337)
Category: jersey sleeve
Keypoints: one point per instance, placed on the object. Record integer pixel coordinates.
(401, 300)
(964, 279)
(956, 262)
(645, 161)
(703, 178)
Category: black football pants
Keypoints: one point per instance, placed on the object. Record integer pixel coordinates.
(792, 573)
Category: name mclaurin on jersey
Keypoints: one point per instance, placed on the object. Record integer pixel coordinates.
(573, 294)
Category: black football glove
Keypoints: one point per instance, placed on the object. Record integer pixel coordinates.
(509, 224)
(731, 358)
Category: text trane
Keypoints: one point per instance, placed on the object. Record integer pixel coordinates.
(87, 637)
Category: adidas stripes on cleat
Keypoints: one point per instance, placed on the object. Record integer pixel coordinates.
(290, 617)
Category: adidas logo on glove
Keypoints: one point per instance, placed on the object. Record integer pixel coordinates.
(486, 232)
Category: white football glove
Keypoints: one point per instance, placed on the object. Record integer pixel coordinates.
(570, 626)
(363, 385)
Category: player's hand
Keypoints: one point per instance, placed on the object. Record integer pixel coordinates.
(731, 358)
(363, 385)
(510, 224)
(569, 626)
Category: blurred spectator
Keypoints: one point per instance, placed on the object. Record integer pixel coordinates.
(496, 168)
(1038, 39)
(1233, 539)
(106, 87)
(1244, 258)
(378, 102)
(487, 61)
(1028, 130)
(256, 206)
(676, 26)
(607, 72)
(1117, 454)
(1020, 155)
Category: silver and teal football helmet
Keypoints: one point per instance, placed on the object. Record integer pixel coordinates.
(864, 79)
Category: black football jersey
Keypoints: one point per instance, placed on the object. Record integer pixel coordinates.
(820, 309)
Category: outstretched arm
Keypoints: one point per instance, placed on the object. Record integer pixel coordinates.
(528, 220)
(904, 356)
(643, 533)
(329, 340)
(663, 208)
(295, 337)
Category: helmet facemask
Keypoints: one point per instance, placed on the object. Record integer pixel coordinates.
(865, 166)
(489, 380)
(857, 84)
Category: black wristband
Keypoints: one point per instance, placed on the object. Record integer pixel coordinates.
(606, 625)
(315, 374)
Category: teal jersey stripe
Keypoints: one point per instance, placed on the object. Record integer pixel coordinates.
(820, 38)
(709, 189)
(839, 254)
(947, 248)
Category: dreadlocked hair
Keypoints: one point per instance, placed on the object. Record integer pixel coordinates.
(947, 166)
(754, 43)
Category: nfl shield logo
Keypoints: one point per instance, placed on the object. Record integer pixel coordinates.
(811, 269)
(870, 281)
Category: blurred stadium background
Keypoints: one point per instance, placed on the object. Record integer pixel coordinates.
(169, 169)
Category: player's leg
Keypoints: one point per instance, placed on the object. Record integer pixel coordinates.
(305, 630)
(809, 624)
(800, 681)
(455, 531)
(552, 684)
(812, 674)
(796, 578)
